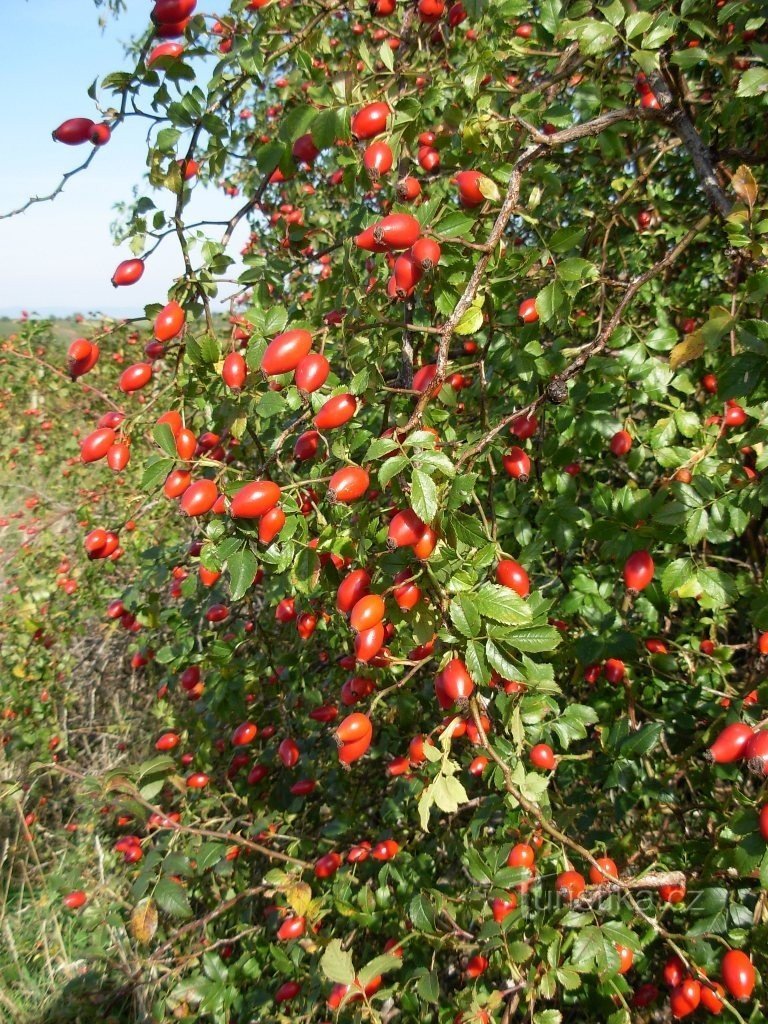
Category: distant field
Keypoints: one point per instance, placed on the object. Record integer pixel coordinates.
(64, 330)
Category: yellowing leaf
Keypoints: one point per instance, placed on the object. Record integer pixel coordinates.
(489, 188)
(143, 923)
(691, 347)
(744, 185)
(299, 896)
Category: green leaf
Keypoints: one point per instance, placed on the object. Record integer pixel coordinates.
(172, 898)
(534, 639)
(637, 23)
(242, 568)
(379, 965)
(465, 616)
(501, 604)
(336, 964)
(549, 1016)
(642, 741)
(423, 496)
(470, 321)
(378, 448)
(677, 574)
(165, 439)
(391, 468)
(476, 663)
(296, 122)
(428, 987)
(753, 82)
(275, 320)
(422, 913)
(155, 471)
(549, 300)
(576, 269)
(697, 526)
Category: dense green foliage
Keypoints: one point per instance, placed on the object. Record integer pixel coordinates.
(623, 150)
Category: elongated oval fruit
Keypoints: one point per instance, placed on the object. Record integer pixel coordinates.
(199, 498)
(173, 419)
(517, 464)
(712, 993)
(351, 589)
(288, 753)
(101, 134)
(621, 443)
(764, 822)
(306, 445)
(293, 927)
(510, 573)
(406, 274)
(353, 728)
(408, 189)
(75, 131)
(426, 544)
(570, 885)
(377, 160)
(730, 744)
(128, 272)
(348, 484)
(685, 998)
(83, 356)
(97, 444)
(135, 377)
(118, 457)
(171, 29)
(426, 252)
(197, 780)
(186, 443)
(738, 974)
(271, 524)
(603, 870)
(397, 231)
(457, 682)
(542, 756)
(172, 10)
(370, 121)
(254, 499)
(169, 322)
(638, 570)
(350, 752)
(368, 612)
(336, 412)
(304, 150)
(367, 240)
(75, 899)
(405, 529)
(312, 372)
(234, 371)
(528, 312)
(285, 352)
(369, 642)
(244, 734)
(169, 50)
(468, 184)
(756, 752)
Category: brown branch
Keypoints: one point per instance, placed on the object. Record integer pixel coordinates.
(676, 117)
(473, 285)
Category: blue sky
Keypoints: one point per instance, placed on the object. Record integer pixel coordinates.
(58, 257)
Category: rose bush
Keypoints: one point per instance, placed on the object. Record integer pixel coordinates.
(447, 579)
